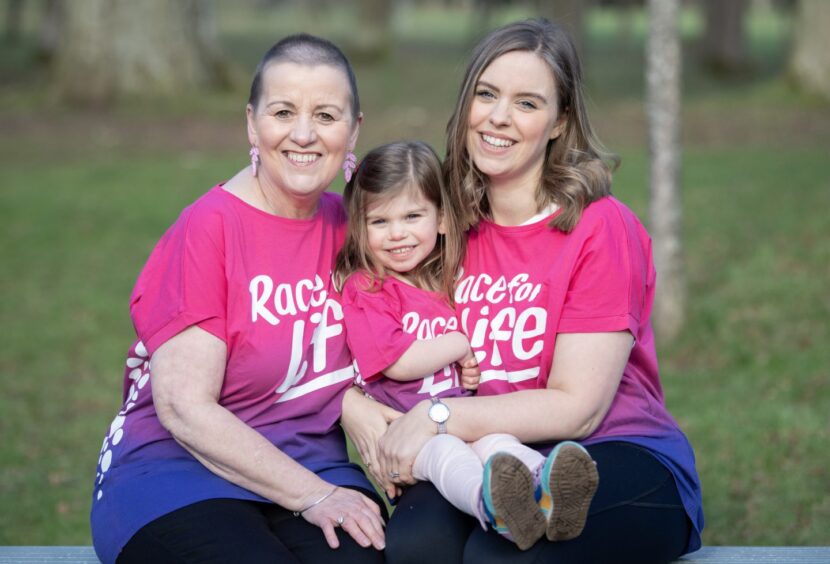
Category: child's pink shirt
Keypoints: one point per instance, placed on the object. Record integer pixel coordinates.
(381, 325)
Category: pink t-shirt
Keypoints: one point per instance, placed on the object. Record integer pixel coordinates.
(521, 286)
(262, 284)
(381, 325)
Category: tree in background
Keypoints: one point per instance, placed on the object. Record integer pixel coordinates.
(663, 73)
(14, 17)
(374, 38)
(810, 63)
(724, 42)
(109, 49)
(570, 14)
(51, 25)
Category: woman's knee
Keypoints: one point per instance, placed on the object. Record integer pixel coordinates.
(426, 528)
(222, 529)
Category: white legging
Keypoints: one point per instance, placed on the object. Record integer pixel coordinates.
(456, 468)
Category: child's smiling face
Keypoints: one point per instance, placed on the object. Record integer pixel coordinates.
(402, 230)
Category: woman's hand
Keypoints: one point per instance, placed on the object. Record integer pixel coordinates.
(354, 513)
(402, 442)
(188, 373)
(365, 421)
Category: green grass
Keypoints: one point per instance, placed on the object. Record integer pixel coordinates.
(74, 238)
(748, 379)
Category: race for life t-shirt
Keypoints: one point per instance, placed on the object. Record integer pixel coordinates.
(382, 323)
(521, 286)
(262, 284)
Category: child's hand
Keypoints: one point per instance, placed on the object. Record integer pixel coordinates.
(470, 372)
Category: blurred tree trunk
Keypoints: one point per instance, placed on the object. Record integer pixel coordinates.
(725, 43)
(49, 32)
(570, 14)
(628, 14)
(663, 109)
(372, 40)
(14, 21)
(482, 17)
(810, 61)
(115, 48)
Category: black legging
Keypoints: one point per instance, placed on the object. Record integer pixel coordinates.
(234, 530)
(636, 516)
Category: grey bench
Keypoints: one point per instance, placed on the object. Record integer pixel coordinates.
(763, 554)
(33, 554)
(708, 555)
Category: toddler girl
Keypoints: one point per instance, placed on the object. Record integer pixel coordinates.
(397, 270)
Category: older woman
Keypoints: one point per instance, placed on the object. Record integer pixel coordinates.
(227, 447)
(555, 294)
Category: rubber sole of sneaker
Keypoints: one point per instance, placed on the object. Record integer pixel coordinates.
(510, 492)
(569, 482)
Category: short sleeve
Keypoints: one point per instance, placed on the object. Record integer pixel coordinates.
(184, 281)
(608, 282)
(373, 328)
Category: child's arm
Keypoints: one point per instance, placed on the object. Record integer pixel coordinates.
(427, 357)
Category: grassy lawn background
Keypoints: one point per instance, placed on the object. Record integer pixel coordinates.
(84, 195)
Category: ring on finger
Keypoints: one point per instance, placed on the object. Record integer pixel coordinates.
(394, 475)
(340, 520)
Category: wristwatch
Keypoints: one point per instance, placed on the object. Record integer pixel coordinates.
(439, 412)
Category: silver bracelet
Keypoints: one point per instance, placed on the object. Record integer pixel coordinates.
(318, 502)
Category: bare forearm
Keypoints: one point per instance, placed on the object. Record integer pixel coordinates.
(188, 372)
(583, 381)
(582, 385)
(423, 358)
(231, 449)
(530, 415)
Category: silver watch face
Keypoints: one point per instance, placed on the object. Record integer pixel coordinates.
(439, 412)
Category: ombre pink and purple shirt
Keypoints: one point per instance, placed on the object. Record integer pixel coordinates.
(262, 284)
(382, 324)
(522, 286)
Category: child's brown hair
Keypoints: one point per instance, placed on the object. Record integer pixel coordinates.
(385, 172)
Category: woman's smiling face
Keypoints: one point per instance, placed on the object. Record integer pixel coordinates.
(302, 126)
(514, 114)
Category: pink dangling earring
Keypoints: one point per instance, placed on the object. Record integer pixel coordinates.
(349, 165)
(254, 152)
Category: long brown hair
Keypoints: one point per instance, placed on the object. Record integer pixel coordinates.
(385, 172)
(577, 168)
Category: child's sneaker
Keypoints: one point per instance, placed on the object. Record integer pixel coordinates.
(569, 481)
(510, 500)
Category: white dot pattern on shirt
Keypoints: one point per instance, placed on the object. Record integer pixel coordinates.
(140, 374)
